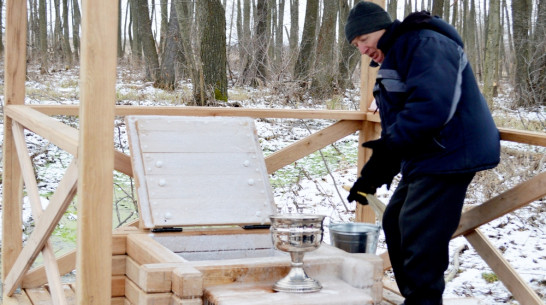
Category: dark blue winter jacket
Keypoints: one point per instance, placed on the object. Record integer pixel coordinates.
(432, 112)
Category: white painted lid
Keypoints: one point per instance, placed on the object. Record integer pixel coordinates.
(199, 171)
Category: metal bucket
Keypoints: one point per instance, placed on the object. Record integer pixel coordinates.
(355, 237)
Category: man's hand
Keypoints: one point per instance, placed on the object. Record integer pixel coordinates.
(380, 169)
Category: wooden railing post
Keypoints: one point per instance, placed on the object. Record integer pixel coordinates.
(14, 94)
(96, 151)
(369, 129)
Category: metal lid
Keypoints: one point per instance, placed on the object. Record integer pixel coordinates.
(198, 171)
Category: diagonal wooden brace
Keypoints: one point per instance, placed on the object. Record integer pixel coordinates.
(45, 225)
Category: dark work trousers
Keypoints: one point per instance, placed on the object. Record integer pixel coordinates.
(419, 221)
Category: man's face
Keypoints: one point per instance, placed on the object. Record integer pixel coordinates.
(367, 44)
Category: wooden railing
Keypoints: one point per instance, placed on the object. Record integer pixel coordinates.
(37, 119)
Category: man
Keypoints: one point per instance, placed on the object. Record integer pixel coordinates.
(436, 130)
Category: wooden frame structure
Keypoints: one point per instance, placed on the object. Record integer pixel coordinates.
(90, 174)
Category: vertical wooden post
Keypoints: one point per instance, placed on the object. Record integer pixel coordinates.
(369, 130)
(96, 151)
(14, 94)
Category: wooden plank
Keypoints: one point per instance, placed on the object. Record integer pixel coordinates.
(36, 277)
(70, 294)
(39, 296)
(138, 297)
(509, 277)
(118, 285)
(59, 134)
(178, 301)
(213, 111)
(118, 301)
(119, 264)
(44, 227)
(96, 151)
(62, 135)
(144, 250)
(51, 267)
(17, 299)
(523, 136)
(310, 144)
(151, 278)
(14, 94)
(119, 239)
(370, 131)
(510, 200)
(187, 282)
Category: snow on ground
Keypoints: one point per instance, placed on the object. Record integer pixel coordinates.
(310, 186)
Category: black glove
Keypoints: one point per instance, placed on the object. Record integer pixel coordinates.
(380, 169)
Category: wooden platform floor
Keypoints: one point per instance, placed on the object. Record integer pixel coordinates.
(41, 296)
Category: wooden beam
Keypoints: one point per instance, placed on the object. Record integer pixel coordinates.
(509, 277)
(52, 270)
(310, 144)
(36, 277)
(14, 94)
(523, 136)
(136, 295)
(96, 151)
(59, 134)
(213, 111)
(144, 250)
(44, 227)
(512, 199)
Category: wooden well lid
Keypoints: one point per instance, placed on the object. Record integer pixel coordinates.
(199, 171)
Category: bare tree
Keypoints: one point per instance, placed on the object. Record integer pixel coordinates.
(308, 41)
(212, 30)
(148, 42)
(255, 71)
(167, 75)
(66, 35)
(491, 54)
(323, 76)
(349, 55)
(521, 16)
(76, 22)
(294, 30)
(44, 63)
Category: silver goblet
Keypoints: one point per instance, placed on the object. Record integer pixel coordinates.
(297, 234)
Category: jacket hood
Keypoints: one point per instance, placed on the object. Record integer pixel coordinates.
(417, 21)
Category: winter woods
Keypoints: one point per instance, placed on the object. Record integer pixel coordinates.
(219, 43)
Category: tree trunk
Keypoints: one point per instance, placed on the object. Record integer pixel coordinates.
(164, 24)
(44, 63)
(349, 55)
(167, 75)
(136, 44)
(1, 27)
(294, 30)
(185, 14)
(255, 71)
(66, 35)
(491, 56)
(392, 8)
(308, 42)
(521, 14)
(279, 34)
(212, 22)
(538, 62)
(120, 36)
(76, 22)
(148, 42)
(323, 76)
(438, 8)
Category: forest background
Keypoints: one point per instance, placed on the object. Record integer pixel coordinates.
(219, 43)
(293, 53)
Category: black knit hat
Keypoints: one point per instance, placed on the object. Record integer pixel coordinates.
(366, 17)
